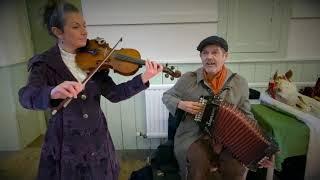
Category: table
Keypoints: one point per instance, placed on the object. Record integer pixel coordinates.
(291, 134)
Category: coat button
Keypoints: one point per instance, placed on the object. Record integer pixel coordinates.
(83, 97)
(85, 116)
(93, 154)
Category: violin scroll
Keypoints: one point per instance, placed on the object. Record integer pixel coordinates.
(170, 71)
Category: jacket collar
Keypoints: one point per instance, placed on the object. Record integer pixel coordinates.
(53, 59)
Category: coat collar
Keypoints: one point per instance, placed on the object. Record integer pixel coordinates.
(53, 59)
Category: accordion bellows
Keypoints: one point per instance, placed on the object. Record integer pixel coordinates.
(239, 135)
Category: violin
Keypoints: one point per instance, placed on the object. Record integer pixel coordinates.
(97, 55)
(125, 61)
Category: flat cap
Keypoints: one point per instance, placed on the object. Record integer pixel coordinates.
(213, 40)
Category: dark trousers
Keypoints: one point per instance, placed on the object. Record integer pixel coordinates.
(205, 164)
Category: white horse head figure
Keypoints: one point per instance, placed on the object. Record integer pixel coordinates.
(284, 90)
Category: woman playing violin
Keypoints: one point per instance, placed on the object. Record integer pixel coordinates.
(77, 143)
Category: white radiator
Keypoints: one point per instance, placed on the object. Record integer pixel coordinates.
(156, 112)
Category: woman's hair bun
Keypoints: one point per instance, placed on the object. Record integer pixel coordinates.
(54, 12)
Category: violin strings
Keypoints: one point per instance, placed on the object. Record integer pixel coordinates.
(130, 59)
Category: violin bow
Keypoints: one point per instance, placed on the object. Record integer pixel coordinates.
(66, 101)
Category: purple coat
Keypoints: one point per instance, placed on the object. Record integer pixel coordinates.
(77, 144)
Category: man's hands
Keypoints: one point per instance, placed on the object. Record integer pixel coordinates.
(66, 89)
(152, 69)
(190, 106)
(265, 163)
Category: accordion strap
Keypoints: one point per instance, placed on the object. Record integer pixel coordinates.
(225, 86)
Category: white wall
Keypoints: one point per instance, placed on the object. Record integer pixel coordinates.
(164, 30)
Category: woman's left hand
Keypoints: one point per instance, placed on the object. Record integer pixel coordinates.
(152, 69)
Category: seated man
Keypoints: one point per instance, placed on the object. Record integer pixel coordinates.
(196, 159)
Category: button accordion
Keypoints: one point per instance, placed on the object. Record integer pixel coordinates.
(239, 135)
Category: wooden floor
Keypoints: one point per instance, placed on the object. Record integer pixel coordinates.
(23, 165)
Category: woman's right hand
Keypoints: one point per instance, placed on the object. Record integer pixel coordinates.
(66, 89)
(190, 106)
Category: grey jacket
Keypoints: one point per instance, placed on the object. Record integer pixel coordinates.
(189, 88)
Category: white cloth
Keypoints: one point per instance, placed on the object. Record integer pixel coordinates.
(69, 61)
(312, 171)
